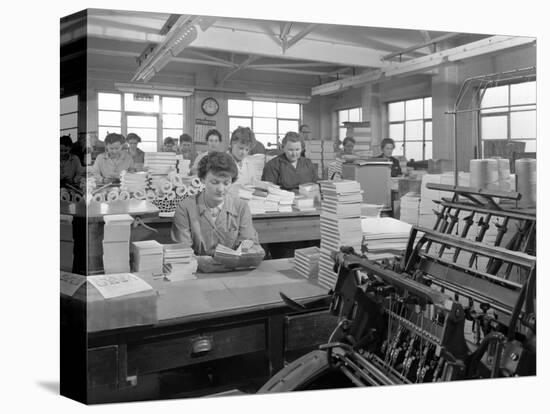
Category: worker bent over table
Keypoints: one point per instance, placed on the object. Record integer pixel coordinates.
(214, 216)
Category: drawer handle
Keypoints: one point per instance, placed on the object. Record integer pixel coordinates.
(201, 346)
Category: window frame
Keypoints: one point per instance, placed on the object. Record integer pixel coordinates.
(67, 131)
(339, 124)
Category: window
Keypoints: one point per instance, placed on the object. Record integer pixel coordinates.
(270, 121)
(410, 126)
(68, 111)
(511, 114)
(348, 115)
(152, 117)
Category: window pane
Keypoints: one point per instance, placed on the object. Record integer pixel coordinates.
(174, 133)
(268, 109)
(285, 126)
(68, 104)
(239, 107)
(103, 131)
(288, 110)
(108, 101)
(172, 105)
(141, 121)
(428, 107)
(234, 123)
(413, 130)
(355, 115)
(413, 150)
(267, 139)
(494, 127)
(148, 146)
(496, 96)
(146, 134)
(396, 132)
(523, 93)
(109, 118)
(428, 150)
(398, 150)
(140, 106)
(72, 132)
(530, 145)
(523, 124)
(69, 121)
(428, 131)
(265, 125)
(396, 111)
(342, 132)
(172, 121)
(343, 116)
(414, 109)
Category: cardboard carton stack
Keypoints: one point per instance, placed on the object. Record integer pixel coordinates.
(116, 243)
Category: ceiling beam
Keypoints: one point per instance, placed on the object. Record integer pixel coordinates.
(420, 45)
(213, 58)
(172, 19)
(241, 66)
(288, 65)
(287, 44)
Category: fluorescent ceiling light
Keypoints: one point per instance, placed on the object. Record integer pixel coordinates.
(155, 89)
(301, 99)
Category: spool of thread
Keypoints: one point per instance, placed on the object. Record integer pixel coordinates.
(112, 196)
(196, 182)
(526, 181)
(98, 198)
(484, 174)
(503, 169)
(191, 191)
(171, 196)
(181, 191)
(139, 195)
(150, 195)
(124, 195)
(166, 186)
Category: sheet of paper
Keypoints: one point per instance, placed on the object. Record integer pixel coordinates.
(70, 283)
(118, 284)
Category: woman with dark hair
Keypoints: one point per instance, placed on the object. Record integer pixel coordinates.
(242, 140)
(71, 169)
(289, 169)
(348, 145)
(138, 156)
(213, 140)
(113, 161)
(186, 146)
(388, 145)
(214, 216)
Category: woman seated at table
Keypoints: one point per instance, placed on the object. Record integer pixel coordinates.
(113, 161)
(213, 140)
(186, 146)
(71, 169)
(138, 156)
(214, 216)
(169, 144)
(288, 170)
(242, 140)
(388, 145)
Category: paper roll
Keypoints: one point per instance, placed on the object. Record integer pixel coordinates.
(65, 196)
(526, 181)
(170, 196)
(150, 195)
(112, 196)
(98, 198)
(196, 182)
(484, 174)
(166, 186)
(77, 198)
(191, 191)
(182, 190)
(139, 195)
(124, 195)
(177, 180)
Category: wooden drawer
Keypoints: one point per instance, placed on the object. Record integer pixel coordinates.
(159, 354)
(308, 330)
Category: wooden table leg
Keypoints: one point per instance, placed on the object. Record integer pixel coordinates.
(275, 343)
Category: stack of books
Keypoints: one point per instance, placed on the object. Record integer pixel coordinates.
(340, 224)
(306, 262)
(116, 241)
(257, 205)
(335, 169)
(314, 151)
(384, 237)
(133, 182)
(303, 203)
(410, 208)
(362, 133)
(161, 163)
(147, 256)
(179, 262)
(256, 163)
(66, 242)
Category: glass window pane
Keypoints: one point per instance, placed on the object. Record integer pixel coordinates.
(530, 145)
(103, 131)
(355, 115)
(108, 101)
(268, 109)
(130, 104)
(413, 109)
(343, 116)
(285, 126)
(141, 121)
(69, 121)
(398, 150)
(288, 110)
(174, 133)
(148, 146)
(413, 130)
(428, 107)
(267, 139)
(523, 124)
(72, 132)
(413, 150)
(172, 105)
(172, 121)
(428, 131)
(146, 134)
(109, 118)
(68, 104)
(342, 132)
(239, 107)
(396, 111)
(494, 127)
(523, 93)
(496, 96)
(265, 125)
(234, 123)
(428, 150)
(396, 132)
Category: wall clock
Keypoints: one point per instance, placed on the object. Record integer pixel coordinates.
(210, 106)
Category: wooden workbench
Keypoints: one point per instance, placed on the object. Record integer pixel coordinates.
(239, 315)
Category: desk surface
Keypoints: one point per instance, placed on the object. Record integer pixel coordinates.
(96, 211)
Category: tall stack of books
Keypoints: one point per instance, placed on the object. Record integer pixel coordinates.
(340, 224)
(306, 262)
(147, 256)
(314, 151)
(329, 155)
(335, 169)
(256, 163)
(179, 262)
(361, 132)
(116, 241)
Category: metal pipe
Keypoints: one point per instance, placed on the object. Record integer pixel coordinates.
(492, 107)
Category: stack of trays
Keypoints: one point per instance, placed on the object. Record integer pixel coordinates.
(306, 262)
(147, 256)
(340, 224)
(116, 240)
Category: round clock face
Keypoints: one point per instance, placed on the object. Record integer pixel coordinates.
(210, 106)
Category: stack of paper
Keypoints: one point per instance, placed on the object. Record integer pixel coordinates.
(147, 256)
(257, 205)
(303, 203)
(244, 192)
(176, 253)
(340, 224)
(371, 210)
(161, 162)
(179, 262)
(116, 240)
(256, 163)
(384, 236)
(410, 208)
(306, 262)
(66, 242)
(133, 182)
(285, 198)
